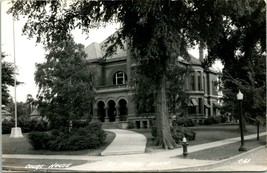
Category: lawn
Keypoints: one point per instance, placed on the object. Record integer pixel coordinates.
(205, 134)
(225, 151)
(22, 146)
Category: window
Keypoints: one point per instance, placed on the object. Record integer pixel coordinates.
(119, 78)
(199, 81)
(204, 84)
(214, 88)
(192, 83)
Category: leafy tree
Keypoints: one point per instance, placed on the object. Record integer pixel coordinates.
(176, 93)
(242, 47)
(157, 33)
(65, 84)
(145, 95)
(7, 79)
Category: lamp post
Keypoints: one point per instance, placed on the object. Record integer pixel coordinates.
(240, 98)
(29, 100)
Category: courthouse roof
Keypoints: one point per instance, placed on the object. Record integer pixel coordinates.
(93, 51)
(97, 51)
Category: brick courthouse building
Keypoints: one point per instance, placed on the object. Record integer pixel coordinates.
(115, 105)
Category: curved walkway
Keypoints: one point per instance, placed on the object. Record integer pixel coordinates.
(125, 142)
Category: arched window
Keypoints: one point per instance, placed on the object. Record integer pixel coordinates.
(119, 78)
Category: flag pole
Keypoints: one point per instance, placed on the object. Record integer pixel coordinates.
(16, 131)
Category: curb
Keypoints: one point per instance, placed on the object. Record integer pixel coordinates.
(22, 169)
(221, 162)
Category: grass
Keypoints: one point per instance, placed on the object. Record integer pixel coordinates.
(218, 132)
(204, 134)
(22, 146)
(225, 151)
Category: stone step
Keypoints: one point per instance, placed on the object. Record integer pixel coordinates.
(111, 125)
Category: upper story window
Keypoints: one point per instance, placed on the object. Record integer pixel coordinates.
(204, 84)
(119, 78)
(199, 81)
(214, 88)
(192, 82)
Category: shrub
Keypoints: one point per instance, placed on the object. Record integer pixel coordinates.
(178, 133)
(91, 136)
(7, 126)
(223, 119)
(154, 131)
(58, 140)
(24, 124)
(78, 124)
(38, 125)
(208, 121)
(215, 120)
(184, 122)
(39, 140)
(131, 125)
(41, 126)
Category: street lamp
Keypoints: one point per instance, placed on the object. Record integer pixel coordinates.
(240, 98)
(29, 100)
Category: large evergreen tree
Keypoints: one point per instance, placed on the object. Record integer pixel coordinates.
(65, 84)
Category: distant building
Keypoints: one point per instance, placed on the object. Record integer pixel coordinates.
(35, 114)
(6, 115)
(114, 104)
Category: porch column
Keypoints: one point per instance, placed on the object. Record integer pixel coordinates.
(117, 113)
(106, 112)
(95, 115)
(141, 124)
(148, 124)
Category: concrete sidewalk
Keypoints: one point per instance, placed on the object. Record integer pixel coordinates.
(158, 161)
(253, 160)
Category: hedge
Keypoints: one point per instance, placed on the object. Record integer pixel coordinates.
(215, 120)
(184, 121)
(7, 126)
(91, 136)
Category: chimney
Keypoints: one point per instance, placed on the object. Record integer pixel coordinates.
(201, 52)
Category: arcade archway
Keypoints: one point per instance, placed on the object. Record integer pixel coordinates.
(123, 110)
(111, 110)
(101, 111)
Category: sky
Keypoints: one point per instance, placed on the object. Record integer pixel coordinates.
(28, 53)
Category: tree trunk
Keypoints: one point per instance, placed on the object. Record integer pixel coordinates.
(245, 130)
(164, 137)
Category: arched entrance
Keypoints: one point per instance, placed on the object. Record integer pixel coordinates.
(123, 110)
(101, 111)
(111, 110)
